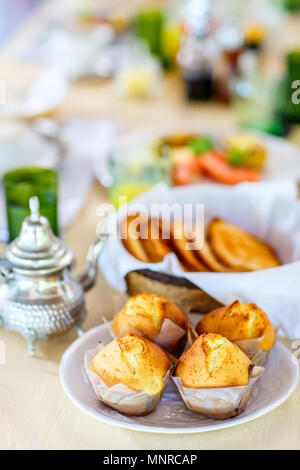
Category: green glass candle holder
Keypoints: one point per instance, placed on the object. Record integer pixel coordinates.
(19, 186)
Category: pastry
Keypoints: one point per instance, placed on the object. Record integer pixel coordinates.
(133, 361)
(214, 377)
(226, 247)
(213, 361)
(151, 238)
(129, 234)
(156, 318)
(180, 245)
(129, 374)
(238, 249)
(208, 257)
(243, 323)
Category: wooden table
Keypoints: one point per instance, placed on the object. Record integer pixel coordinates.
(35, 413)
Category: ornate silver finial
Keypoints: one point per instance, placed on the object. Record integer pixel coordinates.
(34, 206)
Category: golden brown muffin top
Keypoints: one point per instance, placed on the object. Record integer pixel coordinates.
(239, 321)
(213, 361)
(133, 361)
(146, 313)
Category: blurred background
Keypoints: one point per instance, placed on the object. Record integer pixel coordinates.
(113, 96)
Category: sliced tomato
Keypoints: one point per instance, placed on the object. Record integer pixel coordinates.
(185, 172)
(219, 170)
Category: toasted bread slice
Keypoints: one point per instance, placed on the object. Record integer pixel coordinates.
(207, 256)
(238, 249)
(129, 229)
(154, 246)
(179, 244)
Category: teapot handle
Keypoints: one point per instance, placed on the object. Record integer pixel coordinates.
(88, 277)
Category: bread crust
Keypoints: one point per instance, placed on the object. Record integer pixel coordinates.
(133, 361)
(213, 361)
(239, 321)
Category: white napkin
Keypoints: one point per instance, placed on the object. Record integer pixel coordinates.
(270, 211)
(44, 95)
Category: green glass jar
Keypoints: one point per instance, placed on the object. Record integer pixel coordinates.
(19, 186)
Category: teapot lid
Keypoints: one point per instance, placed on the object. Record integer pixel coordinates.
(36, 248)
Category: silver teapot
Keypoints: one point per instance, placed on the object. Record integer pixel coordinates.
(38, 295)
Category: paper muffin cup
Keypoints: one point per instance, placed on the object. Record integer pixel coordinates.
(251, 348)
(171, 338)
(120, 397)
(221, 402)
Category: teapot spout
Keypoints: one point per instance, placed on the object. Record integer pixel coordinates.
(88, 277)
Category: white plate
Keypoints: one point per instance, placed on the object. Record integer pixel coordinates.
(283, 158)
(171, 416)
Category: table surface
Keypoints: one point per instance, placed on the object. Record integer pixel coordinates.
(35, 412)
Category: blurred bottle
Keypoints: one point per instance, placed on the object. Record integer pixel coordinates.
(230, 41)
(161, 30)
(170, 40)
(197, 51)
(148, 26)
(257, 97)
(254, 37)
(291, 5)
(293, 86)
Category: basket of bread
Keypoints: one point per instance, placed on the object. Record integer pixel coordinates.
(246, 246)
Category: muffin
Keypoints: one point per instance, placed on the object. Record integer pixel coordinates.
(246, 325)
(129, 374)
(214, 377)
(213, 361)
(155, 318)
